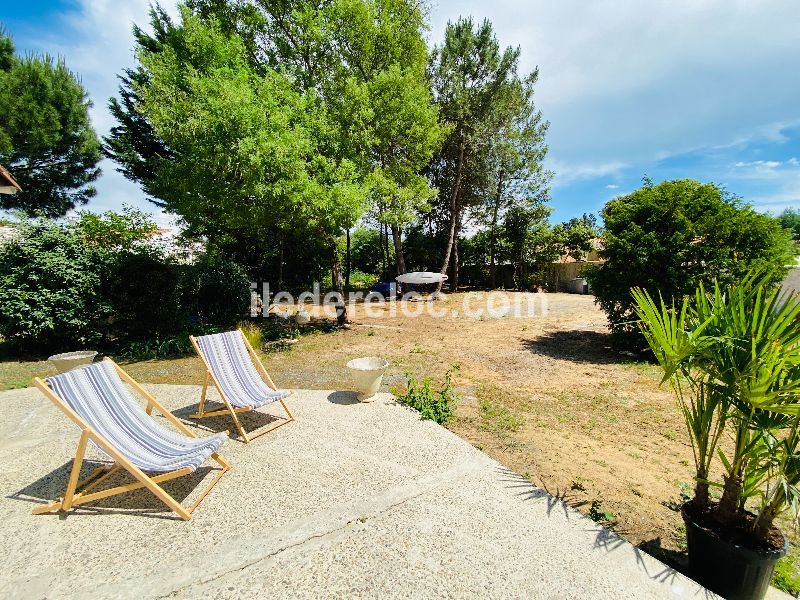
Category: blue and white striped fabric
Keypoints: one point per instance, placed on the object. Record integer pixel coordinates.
(103, 400)
(233, 368)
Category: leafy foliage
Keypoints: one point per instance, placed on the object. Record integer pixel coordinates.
(732, 355)
(671, 237)
(156, 348)
(435, 404)
(323, 109)
(575, 236)
(50, 289)
(100, 281)
(790, 219)
(115, 230)
(46, 138)
(496, 143)
(530, 242)
(223, 290)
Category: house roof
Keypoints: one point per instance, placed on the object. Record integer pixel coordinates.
(7, 183)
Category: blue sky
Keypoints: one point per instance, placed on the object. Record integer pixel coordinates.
(707, 89)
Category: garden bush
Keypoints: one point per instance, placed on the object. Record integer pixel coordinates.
(147, 290)
(671, 237)
(223, 290)
(50, 283)
(100, 282)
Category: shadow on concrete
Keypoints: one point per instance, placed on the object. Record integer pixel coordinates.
(674, 563)
(141, 502)
(252, 420)
(576, 346)
(528, 491)
(344, 397)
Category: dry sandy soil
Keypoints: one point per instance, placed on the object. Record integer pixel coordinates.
(541, 392)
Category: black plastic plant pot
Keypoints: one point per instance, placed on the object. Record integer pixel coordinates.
(731, 571)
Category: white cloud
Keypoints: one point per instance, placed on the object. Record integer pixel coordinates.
(766, 164)
(611, 186)
(626, 81)
(767, 169)
(566, 172)
(96, 42)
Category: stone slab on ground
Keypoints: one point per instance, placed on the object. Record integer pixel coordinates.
(351, 500)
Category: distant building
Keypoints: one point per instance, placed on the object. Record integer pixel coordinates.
(566, 273)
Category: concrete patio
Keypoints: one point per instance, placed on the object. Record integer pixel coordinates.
(351, 500)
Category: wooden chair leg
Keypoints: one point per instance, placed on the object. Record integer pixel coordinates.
(238, 424)
(66, 504)
(202, 408)
(286, 408)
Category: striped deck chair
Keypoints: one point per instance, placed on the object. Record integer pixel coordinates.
(96, 399)
(240, 378)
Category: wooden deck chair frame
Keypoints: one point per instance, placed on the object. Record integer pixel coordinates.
(78, 492)
(229, 408)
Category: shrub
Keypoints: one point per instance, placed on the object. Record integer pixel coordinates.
(223, 290)
(100, 281)
(669, 238)
(50, 284)
(253, 333)
(790, 219)
(361, 281)
(436, 405)
(147, 290)
(154, 348)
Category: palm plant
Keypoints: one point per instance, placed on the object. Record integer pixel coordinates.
(732, 357)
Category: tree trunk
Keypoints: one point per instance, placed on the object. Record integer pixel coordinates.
(493, 233)
(398, 248)
(280, 266)
(347, 265)
(380, 243)
(453, 210)
(733, 481)
(386, 245)
(701, 498)
(454, 259)
(338, 284)
(729, 503)
(766, 520)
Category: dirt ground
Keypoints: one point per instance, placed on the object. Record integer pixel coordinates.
(541, 392)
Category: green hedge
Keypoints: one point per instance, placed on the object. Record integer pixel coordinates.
(63, 289)
(671, 237)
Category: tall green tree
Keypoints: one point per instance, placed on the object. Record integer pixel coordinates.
(516, 158)
(790, 219)
(203, 95)
(46, 137)
(351, 75)
(368, 58)
(481, 98)
(530, 242)
(574, 238)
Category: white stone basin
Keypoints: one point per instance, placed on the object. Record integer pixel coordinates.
(70, 360)
(367, 375)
